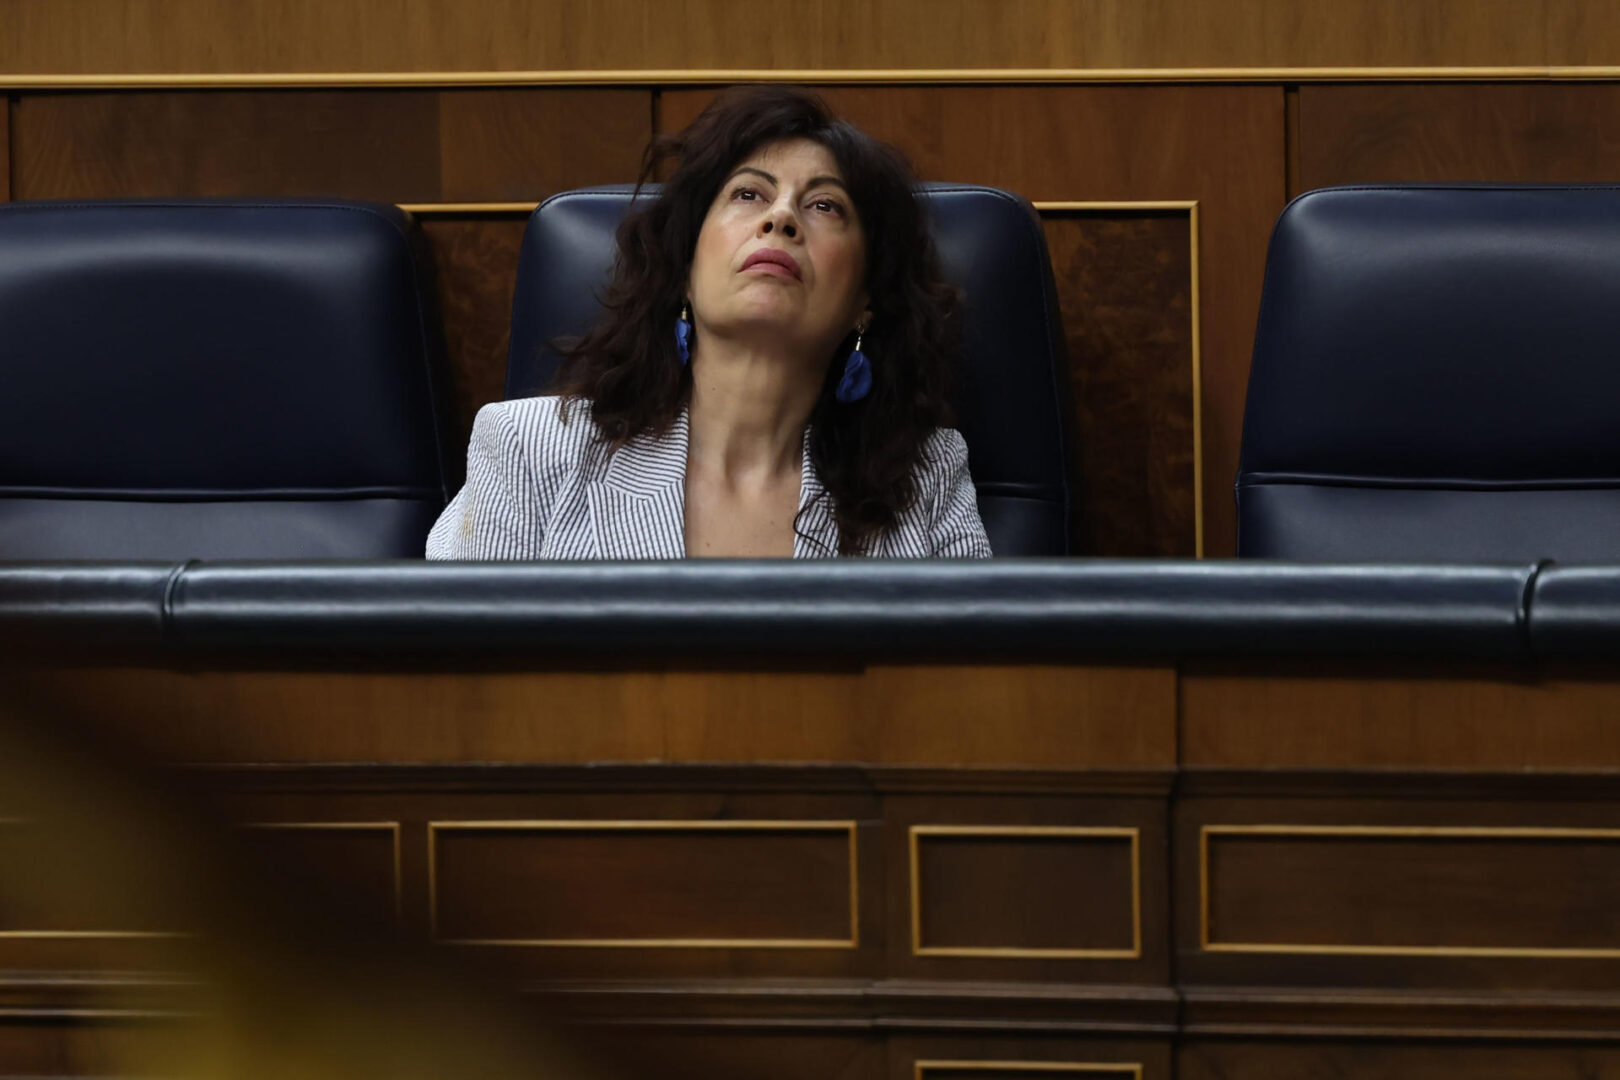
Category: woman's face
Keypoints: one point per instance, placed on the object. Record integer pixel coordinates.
(781, 257)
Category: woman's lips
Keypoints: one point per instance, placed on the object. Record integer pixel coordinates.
(773, 261)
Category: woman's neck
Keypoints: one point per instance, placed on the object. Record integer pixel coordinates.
(748, 414)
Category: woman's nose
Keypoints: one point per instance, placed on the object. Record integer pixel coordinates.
(781, 220)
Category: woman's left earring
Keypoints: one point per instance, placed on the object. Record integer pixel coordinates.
(683, 334)
(857, 380)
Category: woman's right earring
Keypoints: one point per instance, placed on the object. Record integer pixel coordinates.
(683, 334)
(857, 379)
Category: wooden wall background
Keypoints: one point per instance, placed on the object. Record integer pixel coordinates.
(1160, 139)
(275, 36)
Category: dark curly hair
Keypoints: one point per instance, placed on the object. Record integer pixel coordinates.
(865, 453)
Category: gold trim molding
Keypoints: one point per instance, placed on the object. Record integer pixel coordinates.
(1443, 832)
(83, 935)
(1195, 290)
(848, 828)
(1132, 1069)
(814, 76)
(1025, 832)
(354, 826)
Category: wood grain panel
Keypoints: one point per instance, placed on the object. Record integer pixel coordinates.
(73, 901)
(1372, 719)
(1582, 32)
(1253, 1059)
(707, 884)
(1221, 146)
(409, 146)
(83, 1048)
(358, 144)
(1025, 1070)
(709, 1054)
(5, 149)
(1032, 715)
(938, 1056)
(343, 871)
(442, 35)
(1550, 132)
(1414, 890)
(1124, 282)
(508, 145)
(475, 261)
(1021, 891)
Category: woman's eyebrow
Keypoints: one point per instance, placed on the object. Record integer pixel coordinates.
(750, 169)
(815, 181)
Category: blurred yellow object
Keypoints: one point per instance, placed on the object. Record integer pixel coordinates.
(127, 909)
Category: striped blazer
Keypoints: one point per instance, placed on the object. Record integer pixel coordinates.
(540, 487)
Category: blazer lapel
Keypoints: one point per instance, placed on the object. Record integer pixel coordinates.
(816, 530)
(638, 506)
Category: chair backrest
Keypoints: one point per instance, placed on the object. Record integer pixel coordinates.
(1435, 377)
(214, 379)
(1008, 405)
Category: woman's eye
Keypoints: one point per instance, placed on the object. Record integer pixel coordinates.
(746, 194)
(829, 206)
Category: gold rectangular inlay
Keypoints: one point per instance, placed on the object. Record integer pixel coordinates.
(1130, 833)
(845, 827)
(355, 826)
(1446, 832)
(1132, 1069)
(81, 935)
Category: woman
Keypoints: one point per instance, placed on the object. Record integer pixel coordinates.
(768, 377)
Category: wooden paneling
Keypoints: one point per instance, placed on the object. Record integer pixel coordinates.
(389, 145)
(1008, 1057)
(1024, 1070)
(444, 35)
(1124, 282)
(5, 148)
(364, 144)
(1377, 720)
(701, 884)
(1263, 1060)
(1030, 715)
(1035, 888)
(1023, 890)
(722, 1055)
(1582, 32)
(350, 871)
(1221, 146)
(1427, 132)
(522, 144)
(83, 1049)
(1411, 890)
(475, 261)
(72, 901)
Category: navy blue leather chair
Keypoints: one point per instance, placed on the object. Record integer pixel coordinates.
(214, 379)
(1435, 377)
(1008, 405)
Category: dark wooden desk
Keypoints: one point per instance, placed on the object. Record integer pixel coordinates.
(803, 864)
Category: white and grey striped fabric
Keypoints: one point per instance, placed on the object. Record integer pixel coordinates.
(542, 486)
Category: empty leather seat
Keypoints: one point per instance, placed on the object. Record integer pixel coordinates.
(1435, 377)
(1007, 401)
(214, 379)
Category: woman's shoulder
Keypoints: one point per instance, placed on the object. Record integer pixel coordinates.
(550, 426)
(944, 450)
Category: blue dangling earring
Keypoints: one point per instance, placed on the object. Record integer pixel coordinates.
(683, 334)
(857, 380)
